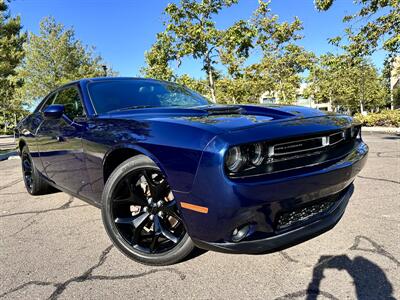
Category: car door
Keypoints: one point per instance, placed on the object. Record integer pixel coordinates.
(29, 130)
(60, 143)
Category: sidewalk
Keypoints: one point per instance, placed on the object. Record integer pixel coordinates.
(7, 142)
(7, 147)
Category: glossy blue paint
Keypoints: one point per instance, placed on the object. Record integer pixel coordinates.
(189, 144)
(54, 111)
(61, 151)
(236, 202)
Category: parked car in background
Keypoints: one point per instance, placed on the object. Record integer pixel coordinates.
(171, 171)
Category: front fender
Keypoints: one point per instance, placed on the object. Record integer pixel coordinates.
(136, 148)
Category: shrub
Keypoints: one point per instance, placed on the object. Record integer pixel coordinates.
(388, 118)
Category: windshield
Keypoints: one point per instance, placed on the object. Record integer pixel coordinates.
(116, 95)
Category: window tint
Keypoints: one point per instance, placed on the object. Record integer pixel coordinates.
(71, 100)
(120, 94)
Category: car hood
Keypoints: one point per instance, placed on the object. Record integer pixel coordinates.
(219, 118)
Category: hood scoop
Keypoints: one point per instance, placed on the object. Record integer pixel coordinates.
(224, 110)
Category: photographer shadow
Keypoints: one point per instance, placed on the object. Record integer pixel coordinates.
(369, 279)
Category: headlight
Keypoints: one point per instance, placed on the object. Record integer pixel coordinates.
(234, 159)
(243, 157)
(256, 154)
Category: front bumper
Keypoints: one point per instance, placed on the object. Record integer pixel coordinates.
(259, 202)
(284, 240)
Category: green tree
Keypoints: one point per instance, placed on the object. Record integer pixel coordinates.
(283, 61)
(55, 57)
(192, 32)
(158, 59)
(284, 70)
(246, 89)
(280, 68)
(387, 73)
(197, 85)
(234, 49)
(346, 83)
(380, 21)
(386, 78)
(195, 34)
(396, 97)
(11, 54)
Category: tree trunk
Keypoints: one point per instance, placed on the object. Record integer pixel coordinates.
(211, 84)
(15, 125)
(361, 107)
(208, 68)
(391, 100)
(282, 92)
(5, 122)
(284, 97)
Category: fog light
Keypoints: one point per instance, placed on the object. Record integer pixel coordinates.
(240, 233)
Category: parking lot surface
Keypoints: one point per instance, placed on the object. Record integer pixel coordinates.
(55, 247)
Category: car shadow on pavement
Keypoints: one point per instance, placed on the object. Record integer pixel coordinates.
(369, 279)
(195, 253)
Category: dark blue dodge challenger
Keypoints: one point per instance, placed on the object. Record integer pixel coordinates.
(170, 171)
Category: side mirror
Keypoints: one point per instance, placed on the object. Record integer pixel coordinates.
(54, 111)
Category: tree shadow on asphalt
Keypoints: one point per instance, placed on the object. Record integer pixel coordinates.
(369, 279)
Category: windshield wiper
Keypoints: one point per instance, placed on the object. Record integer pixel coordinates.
(131, 107)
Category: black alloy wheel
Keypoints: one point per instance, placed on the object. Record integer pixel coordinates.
(27, 170)
(34, 182)
(141, 215)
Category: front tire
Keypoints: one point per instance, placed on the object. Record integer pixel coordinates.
(140, 215)
(34, 182)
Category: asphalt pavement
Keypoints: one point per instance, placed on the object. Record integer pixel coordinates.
(55, 247)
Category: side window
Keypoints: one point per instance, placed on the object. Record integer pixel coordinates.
(49, 101)
(71, 100)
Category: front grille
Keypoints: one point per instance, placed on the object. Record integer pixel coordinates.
(299, 146)
(313, 152)
(302, 214)
(296, 146)
(317, 151)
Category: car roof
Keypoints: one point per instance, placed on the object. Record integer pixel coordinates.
(98, 79)
(118, 79)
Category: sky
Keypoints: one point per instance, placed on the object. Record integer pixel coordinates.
(122, 30)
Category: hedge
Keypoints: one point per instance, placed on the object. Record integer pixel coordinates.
(387, 118)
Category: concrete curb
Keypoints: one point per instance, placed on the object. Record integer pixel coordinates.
(393, 130)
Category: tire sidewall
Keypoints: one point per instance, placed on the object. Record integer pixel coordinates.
(172, 256)
(25, 151)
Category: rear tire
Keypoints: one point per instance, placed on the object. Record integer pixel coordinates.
(34, 182)
(140, 215)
